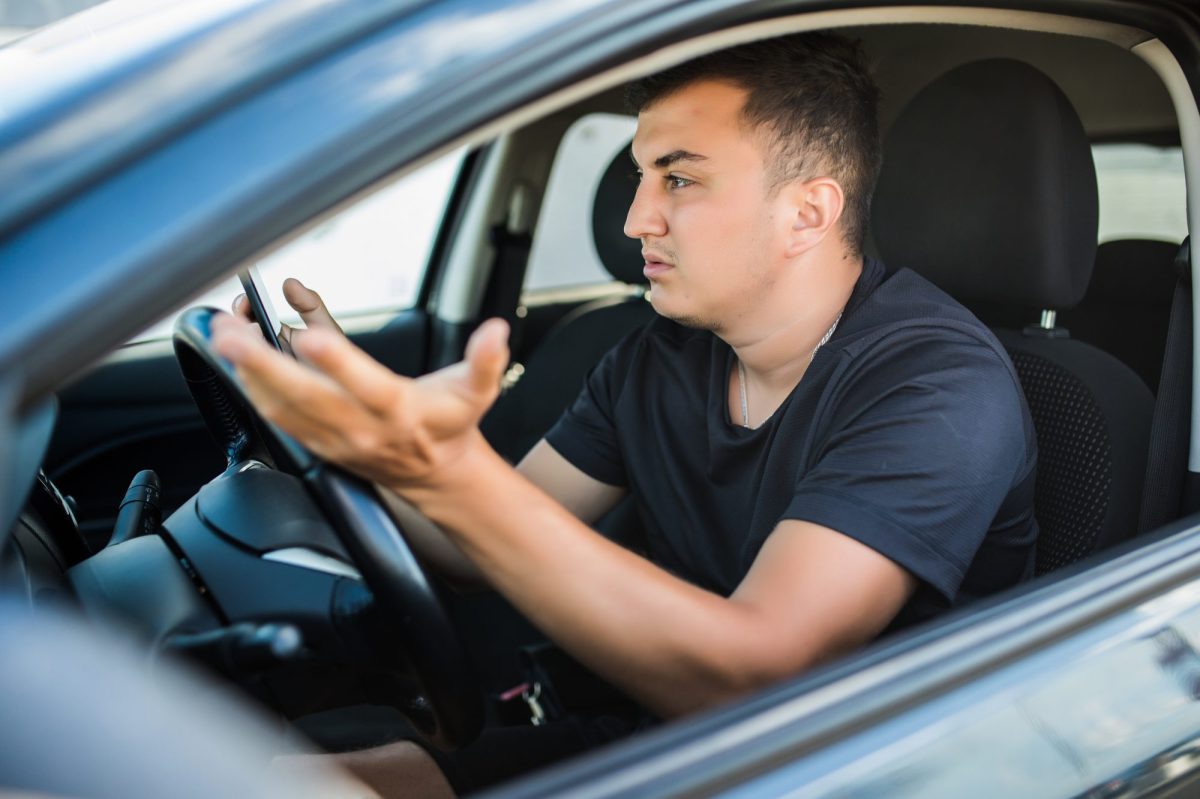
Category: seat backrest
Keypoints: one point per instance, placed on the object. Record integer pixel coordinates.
(1092, 416)
(557, 366)
(989, 190)
(1128, 304)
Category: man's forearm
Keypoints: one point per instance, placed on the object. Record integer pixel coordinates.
(432, 545)
(673, 646)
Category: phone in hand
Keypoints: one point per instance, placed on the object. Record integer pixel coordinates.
(262, 309)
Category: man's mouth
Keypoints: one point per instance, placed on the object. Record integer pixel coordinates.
(655, 264)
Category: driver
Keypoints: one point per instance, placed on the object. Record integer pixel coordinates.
(820, 449)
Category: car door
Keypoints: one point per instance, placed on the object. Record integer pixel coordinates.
(373, 263)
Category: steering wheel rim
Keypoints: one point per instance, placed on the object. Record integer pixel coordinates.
(449, 710)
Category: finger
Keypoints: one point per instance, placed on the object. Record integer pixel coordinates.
(487, 357)
(242, 312)
(309, 305)
(284, 336)
(370, 382)
(297, 399)
(241, 307)
(229, 337)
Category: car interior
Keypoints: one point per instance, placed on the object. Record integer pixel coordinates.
(990, 189)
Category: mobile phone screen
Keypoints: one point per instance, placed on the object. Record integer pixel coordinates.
(263, 310)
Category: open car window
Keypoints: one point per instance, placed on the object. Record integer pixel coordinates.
(366, 258)
(1143, 194)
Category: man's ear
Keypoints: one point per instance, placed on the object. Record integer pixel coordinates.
(814, 208)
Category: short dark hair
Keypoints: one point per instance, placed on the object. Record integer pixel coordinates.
(814, 98)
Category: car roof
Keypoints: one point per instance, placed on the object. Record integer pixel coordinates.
(115, 78)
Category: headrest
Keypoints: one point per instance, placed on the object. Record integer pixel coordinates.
(988, 188)
(621, 255)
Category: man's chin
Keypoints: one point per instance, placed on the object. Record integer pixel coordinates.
(680, 316)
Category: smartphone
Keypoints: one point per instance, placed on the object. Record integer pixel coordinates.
(262, 309)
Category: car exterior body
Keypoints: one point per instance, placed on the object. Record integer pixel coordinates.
(149, 160)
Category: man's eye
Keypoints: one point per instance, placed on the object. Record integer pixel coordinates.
(675, 182)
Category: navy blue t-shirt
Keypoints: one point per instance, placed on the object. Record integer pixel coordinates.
(908, 432)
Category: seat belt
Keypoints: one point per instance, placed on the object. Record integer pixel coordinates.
(1166, 496)
(511, 241)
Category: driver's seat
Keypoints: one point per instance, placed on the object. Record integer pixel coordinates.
(988, 189)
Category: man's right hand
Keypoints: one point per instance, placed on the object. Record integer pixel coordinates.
(304, 301)
(349, 409)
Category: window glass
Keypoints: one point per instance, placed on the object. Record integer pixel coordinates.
(369, 257)
(1142, 192)
(563, 253)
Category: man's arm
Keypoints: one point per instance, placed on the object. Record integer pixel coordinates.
(811, 594)
(585, 497)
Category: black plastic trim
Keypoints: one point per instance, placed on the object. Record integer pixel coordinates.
(452, 218)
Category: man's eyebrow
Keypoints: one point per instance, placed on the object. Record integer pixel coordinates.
(664, 161)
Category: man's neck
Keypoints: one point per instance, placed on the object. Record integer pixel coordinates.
(776, 344)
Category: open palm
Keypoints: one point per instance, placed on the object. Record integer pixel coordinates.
(350, 410)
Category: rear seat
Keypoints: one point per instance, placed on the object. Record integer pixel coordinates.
(1124, 312)
(1128, 304)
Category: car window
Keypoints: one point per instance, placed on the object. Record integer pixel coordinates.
(367, 258)
(565, 224)
(1142, 192)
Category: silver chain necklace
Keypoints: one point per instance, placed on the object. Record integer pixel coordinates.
(742, 369)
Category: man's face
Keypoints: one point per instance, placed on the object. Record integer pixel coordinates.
(710, 234)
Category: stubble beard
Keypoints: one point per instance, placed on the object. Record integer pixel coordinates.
(693, 321)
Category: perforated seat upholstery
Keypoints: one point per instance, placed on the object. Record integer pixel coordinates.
(1092, 416)
(988, 189)
(1074, 454)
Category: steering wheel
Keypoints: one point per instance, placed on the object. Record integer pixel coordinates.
(449, 711)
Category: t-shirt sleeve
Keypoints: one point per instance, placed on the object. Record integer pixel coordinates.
(922, 449)
(585, 434)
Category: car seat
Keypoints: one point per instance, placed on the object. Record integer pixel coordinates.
(1133, 282)
(988, 189)
(556, 368)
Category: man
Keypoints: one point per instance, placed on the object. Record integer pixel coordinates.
(819, 449)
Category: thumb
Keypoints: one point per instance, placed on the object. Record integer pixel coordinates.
(309, 305)
(487, 356)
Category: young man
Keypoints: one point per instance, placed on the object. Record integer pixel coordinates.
(819, 449)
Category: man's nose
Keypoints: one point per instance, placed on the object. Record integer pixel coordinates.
(645, 218)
